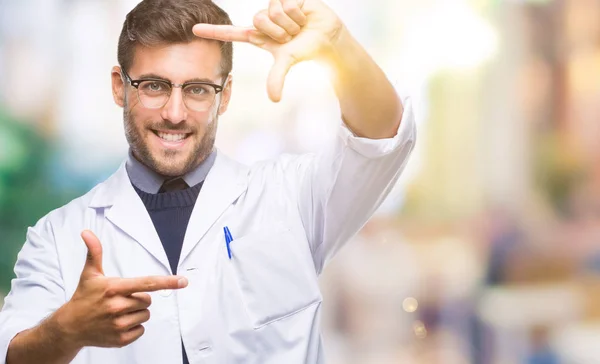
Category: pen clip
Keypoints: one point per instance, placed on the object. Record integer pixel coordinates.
(228, 240)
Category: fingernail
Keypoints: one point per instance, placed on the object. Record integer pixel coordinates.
(182, 283)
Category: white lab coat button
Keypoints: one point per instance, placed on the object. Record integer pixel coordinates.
(165, 292)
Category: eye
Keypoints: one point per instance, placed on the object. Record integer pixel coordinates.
(153, 87)
(197, 89)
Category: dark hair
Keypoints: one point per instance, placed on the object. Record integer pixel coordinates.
(158, 22)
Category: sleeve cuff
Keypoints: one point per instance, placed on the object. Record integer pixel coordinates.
(375, 148)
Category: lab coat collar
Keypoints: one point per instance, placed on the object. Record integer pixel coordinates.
(225, 182)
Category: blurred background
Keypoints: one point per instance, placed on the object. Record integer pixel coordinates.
(488, 249)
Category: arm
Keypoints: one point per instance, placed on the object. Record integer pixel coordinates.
(36, 292)
(297, 30)
(369, 103)
(339, 189)
(348, 182)
(103, 312)
(46, 343)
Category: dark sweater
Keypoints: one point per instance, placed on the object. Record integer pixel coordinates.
(170, 213)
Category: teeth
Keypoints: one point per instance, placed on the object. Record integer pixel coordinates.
(171, 137)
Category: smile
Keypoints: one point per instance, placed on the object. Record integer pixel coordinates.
(171, 137)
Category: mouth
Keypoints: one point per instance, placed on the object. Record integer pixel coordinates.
(171, 139)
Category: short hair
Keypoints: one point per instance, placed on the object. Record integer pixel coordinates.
(159, 22)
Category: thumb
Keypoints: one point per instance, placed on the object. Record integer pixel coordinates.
(93, 262)
(276, 79)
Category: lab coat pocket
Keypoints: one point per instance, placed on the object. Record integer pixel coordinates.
(276, 275)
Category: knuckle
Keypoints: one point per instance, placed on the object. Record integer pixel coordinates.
(276, 12)
(119, 324)
(295, 29)
(149, 284)
(110, 290)
(289, 7)
(261, 19)
(123, 340)
(146, 316)
(139, 332)
(282, 36)
(114, 307)
(146, 299)
(130, 336)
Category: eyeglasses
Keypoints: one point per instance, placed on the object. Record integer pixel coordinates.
(154, 93)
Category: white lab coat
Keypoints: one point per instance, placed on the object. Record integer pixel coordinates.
(287, 218)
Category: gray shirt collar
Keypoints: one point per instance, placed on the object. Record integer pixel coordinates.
(149, 181)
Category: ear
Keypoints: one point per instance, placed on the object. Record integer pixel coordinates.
(226, 95)
(118, 87)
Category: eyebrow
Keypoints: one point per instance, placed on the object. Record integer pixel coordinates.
(158, 77)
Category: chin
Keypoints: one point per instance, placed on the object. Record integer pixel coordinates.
(172, 170)
(169, 165)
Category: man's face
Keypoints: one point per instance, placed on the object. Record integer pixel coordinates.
(173, 139)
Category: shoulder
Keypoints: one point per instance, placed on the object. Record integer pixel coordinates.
(71, 214)
(76, 213)
(281, 168)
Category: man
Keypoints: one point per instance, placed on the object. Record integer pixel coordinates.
(192, 257)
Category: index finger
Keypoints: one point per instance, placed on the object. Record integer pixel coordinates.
(225, 33)
(128, 286)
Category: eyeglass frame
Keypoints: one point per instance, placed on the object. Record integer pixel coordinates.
(136, 84)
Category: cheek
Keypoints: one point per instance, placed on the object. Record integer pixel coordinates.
(141, 118)
(131, 100)
(209, 116)
(139, 114)
(203, 120)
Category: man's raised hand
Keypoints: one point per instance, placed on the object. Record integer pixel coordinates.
(291, 30)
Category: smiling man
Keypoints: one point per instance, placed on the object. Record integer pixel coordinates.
(171, 135)
(188, 256)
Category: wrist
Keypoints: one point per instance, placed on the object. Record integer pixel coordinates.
(343, 56)
(339, 45)
(65, 328)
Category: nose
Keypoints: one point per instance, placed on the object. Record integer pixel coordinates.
(175, 110)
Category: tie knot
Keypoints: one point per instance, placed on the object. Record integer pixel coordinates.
(176, 184)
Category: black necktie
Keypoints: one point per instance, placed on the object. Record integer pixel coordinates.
(175, 184)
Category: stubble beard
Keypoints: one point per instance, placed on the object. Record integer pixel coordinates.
(165, 164)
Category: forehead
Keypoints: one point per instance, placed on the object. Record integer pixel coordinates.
(179, 62)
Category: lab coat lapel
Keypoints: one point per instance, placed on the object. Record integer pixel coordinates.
(128, 213)
(225, 182)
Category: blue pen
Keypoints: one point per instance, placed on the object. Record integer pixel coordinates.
(228, 240)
